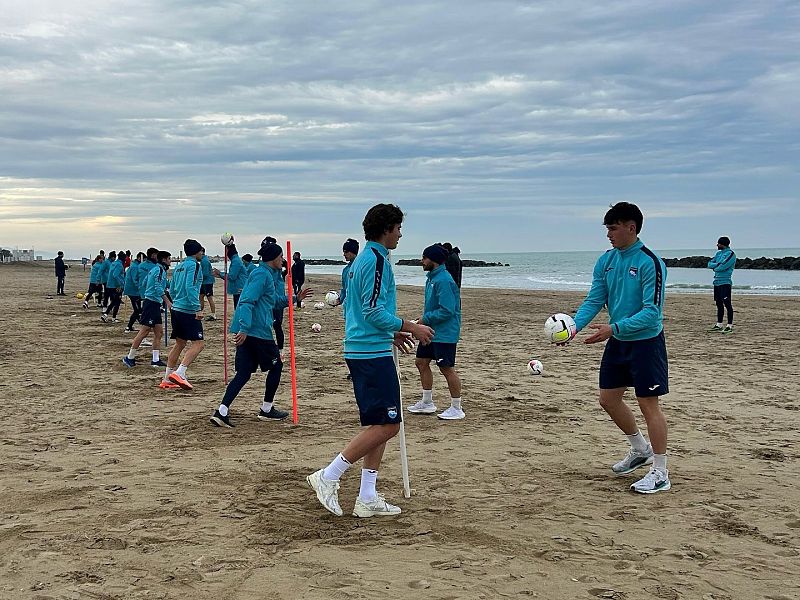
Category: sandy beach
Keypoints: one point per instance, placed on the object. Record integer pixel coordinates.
(111, 488)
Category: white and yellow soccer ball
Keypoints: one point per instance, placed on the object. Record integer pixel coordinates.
(332, 298)
(560, 328)
(316, 328)
(535, 367)
(226, 239)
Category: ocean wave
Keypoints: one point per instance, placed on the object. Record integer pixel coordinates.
(705, 286)
(557, 281)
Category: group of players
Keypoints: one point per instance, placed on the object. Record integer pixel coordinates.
(629, 280)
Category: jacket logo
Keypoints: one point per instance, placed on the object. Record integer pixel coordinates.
(633, 271)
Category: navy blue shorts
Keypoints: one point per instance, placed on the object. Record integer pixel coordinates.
(207, 289)
(151, 313)
(186, 326)
(377, 390)
(443, 353)
(641, 364)
(722, 292)
(257, 353)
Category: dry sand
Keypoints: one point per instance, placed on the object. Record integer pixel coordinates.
(111, 488)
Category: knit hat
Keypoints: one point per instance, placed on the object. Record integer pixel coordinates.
(247, 257)
(436, 253)
(725, 241)
(191, 247)
(350, 245)
(270, 251)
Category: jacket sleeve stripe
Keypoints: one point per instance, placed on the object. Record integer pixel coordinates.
(659, 287)
(376, 287)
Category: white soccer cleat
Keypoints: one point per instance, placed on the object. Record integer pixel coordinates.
(656, 480)
(452, 414)
(422, 408)
(633, 460)
(378, 507)
(327, 492)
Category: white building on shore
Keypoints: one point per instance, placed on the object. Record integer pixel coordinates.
(17, 255)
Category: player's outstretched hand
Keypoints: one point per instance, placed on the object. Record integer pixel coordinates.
(403, 341)
(305, 293)
(601, 334)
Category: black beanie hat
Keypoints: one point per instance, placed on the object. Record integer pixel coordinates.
(247, 257)
(725, 241)
(270, 251)
(436, 253)
(191, 247)
(350, 245)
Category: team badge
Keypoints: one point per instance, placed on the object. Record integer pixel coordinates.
(633, 271)
(392, 412)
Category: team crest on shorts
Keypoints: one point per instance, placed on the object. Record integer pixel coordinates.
(392, 412)
(633, 271)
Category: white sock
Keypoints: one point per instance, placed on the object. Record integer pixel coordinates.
(368, 479)
(719, 325)
(132, 353)
(266, 406)
(167, 371)
(427, 396)
(660, 462)
(337, 468)
(223, 410)
(729, 325)
(181, 370)
(455, 403)
(638, 442)
(156, 355)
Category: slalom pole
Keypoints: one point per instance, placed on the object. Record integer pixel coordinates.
(225, 317)
(403, 448)
(289, 294)
(166, 326)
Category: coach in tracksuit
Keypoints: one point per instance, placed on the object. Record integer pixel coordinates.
(251, 327)
(131, 290)
(443, 313)
(371, 328)
(629, 279)
(187, 318)
(723, 264)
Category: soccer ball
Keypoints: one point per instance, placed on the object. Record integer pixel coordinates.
(316, 328)
(319, 305)
(535, 367)
(332, 298)
(226, 239)
(79, 295)
(560, 328)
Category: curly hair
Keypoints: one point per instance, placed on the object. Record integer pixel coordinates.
(380, 219)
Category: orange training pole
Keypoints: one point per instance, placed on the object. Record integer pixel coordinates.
(289, 292)
(225, 317)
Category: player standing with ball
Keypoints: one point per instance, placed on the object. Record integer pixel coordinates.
(630, 279)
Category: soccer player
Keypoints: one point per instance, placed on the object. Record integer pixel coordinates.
(249, 265)
(187, 318)
(61, 273)
(453, 264)
(349, 251)
(723, 264)
(155, 294)
(251, 327)
(207, 289)
(372, 327)
(629, 279)
(112, 256)
(236, 275)
(131, 290)
(95, 286)
(114, 285)
(443, 313)
(298, 276)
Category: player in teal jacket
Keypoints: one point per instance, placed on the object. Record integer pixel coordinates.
(145, 267)
(155, 286)
(131, 290)
(723, 264)
(114, 285)
(372, 326)
(104, 269)
(95, 283)
(251, 327)
(187, 317)
(236, 275)
(629, 279)
(207, 289)
(349, 251)
(443, 313)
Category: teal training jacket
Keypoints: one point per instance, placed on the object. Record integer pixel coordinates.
(442, 306)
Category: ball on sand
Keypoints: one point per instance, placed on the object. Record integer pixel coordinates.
(332, 298)
(79, 295)
(316, 328)
(319, 305)
(535, 367)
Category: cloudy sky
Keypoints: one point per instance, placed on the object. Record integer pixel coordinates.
(499, 125)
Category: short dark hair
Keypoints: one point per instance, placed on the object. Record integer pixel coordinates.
(448, 246)
(622, 212)
(151, 251)
(162, 254)
(112, 254)
(380, 219)
(121, 253)
(60, 253)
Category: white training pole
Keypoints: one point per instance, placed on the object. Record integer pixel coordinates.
(403, 450)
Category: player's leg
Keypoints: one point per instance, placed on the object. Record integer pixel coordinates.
(445, 355)
(270, 361)
(245, 364)
(425, 406)
(728, 308)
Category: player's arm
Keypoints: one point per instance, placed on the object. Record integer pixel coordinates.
(597, 297)
(255, 289)
(725, 263)
(373, 291)
(652, 299)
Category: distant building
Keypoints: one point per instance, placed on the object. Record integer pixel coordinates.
(16, 255)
